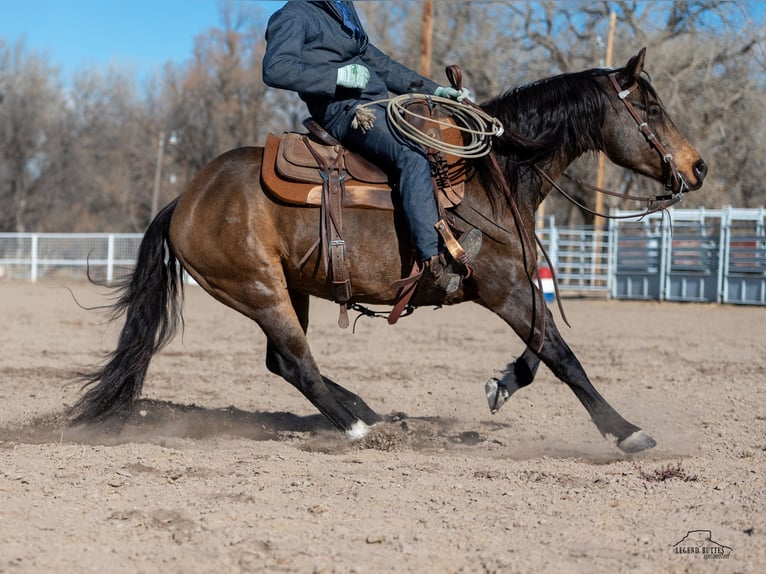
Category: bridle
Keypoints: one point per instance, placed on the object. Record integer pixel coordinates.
(643, 127)
(653, 204)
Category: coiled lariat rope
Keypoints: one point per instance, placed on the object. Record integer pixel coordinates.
(471, 120)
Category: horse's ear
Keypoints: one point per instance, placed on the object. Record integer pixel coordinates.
(633, 68)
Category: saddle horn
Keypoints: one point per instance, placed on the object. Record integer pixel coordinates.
(455, 76)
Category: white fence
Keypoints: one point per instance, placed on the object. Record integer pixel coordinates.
(686, 255)
(34, 256)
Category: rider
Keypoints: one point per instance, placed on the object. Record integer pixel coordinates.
(321, 51)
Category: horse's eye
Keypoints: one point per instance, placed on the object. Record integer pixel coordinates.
(654, 111)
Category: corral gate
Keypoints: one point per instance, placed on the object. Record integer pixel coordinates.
(690, 255)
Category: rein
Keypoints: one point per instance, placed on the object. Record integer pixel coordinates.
(654, 204)
(454, 75)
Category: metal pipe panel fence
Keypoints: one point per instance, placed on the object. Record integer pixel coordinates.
(684, 255)
(691, 255)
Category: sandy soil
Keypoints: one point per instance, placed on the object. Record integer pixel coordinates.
(231, 470)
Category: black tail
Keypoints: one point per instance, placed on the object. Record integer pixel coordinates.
(151, 301)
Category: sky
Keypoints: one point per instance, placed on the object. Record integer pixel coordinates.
(137, 36)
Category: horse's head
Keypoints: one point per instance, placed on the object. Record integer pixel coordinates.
(639, 134)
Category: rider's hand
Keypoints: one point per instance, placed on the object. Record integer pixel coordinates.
(453, 94)
(353, 76)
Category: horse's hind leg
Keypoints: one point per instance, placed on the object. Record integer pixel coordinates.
(349, 400)
(269, 305)
(291, 356)
(516, 375)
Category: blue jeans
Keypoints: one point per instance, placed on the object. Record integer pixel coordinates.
(402, 158)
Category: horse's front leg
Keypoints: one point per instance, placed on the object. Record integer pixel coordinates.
(516, 375)
(559, 358)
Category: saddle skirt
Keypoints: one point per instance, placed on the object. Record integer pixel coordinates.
(292, 173)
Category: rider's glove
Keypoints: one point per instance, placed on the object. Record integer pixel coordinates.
(453, 94)
(353, 76)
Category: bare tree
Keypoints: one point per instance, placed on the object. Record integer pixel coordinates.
(104, 156)
(84, 158)
(217, 101)
(31, 98)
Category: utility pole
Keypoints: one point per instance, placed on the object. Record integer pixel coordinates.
(158, 174)
(162, 141)
(427, 27)
(598, 222)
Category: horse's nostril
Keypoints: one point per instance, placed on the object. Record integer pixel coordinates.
(700, 170)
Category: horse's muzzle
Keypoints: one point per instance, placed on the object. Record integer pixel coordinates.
(700, 171)
(677, 182)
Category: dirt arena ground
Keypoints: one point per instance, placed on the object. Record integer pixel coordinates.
(231, 470)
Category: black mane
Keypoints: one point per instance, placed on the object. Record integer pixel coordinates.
(560, 112)
(555, 114)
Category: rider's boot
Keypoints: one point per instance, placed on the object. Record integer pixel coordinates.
(448, 275)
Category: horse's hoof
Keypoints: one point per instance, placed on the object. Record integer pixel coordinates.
(497, 394)
(358, 431)
(636, 442)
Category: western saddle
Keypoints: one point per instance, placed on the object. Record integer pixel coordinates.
(315, 169)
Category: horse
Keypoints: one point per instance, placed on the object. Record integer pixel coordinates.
(245, 248)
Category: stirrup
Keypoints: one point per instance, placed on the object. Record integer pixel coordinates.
(462, 251)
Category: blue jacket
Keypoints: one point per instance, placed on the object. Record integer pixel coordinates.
(306, 44)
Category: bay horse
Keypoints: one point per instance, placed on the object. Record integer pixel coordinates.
(244, 247)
